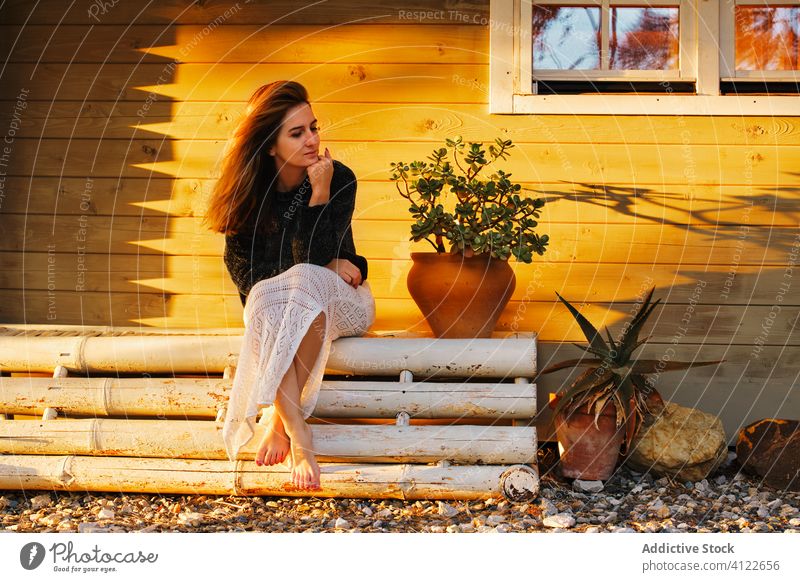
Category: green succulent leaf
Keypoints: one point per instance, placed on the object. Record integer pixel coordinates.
(570, 364)
(631, 334)
(592, 335)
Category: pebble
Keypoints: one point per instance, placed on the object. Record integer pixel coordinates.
(587, 486)
(559, 520)
(40, 501)
(547, 507)
(105, 514)
(447, 510)
(495, 518)
(341, 523)
(190, 518)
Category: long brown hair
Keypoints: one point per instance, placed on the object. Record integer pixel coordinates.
(247, 177)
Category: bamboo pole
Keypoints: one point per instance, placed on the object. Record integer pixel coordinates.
(169, 354)
(201, 397)
(188, 439)
(209, 477)
(77, 329)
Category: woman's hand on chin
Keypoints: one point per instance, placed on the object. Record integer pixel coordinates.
(349, 273)
(320, 174)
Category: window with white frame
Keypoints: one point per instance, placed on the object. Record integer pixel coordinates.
(694, 57)
(759, 47)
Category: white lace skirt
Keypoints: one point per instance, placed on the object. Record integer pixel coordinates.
(277, 314)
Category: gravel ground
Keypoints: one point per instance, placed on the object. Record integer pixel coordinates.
(629, 502)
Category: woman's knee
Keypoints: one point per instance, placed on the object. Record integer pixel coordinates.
(300, 274)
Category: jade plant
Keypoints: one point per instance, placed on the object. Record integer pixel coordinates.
(487, 214)
(615, 374)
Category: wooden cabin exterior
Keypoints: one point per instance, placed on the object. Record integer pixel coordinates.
(115, 118)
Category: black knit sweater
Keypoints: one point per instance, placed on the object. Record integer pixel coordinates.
(305, 234)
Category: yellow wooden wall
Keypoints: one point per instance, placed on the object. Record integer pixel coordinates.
(117, 120)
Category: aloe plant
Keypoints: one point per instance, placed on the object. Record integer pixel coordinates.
(615, 374)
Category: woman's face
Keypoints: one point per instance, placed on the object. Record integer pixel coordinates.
(298, 139)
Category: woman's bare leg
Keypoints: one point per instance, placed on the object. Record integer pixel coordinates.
(305, 470)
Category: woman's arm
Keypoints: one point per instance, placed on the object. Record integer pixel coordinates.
(324, 230)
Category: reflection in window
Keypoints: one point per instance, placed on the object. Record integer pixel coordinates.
(643, 38)
(767, 38)
(566, 37)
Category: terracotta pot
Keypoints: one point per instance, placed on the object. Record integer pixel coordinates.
(587, 452)
(460, 297)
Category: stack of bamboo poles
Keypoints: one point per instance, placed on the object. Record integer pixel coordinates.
(397, 417)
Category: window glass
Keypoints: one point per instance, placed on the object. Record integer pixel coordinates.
(767, 38)
(643, 38)
(566, 37)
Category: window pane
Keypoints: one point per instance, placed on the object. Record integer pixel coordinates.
(767, 38)
(643, 38)
(566, 37)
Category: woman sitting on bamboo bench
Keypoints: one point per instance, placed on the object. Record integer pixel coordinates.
(286, 210)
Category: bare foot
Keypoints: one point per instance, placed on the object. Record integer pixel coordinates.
(305, 470)
(275, 445)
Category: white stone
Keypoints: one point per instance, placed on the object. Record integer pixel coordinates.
(447, 510)
(40, 501)
(341, 523)
(559, 520)
(105, 514)
(495, 518)
(91, 527)
(547, 507)
(190, 518)
(587, 486)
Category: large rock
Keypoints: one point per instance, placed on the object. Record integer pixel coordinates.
(770, 448)
(683, 443)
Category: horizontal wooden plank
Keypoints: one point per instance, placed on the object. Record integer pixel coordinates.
(435, 83)
(198, 439)
(588, 164)
(277, 43)
(507, 357)
(201, 398)
(621, 203)
(722, 324)
(264, 12)
(214, 477)
(643, 243)
(736, 284)
(418, 122)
